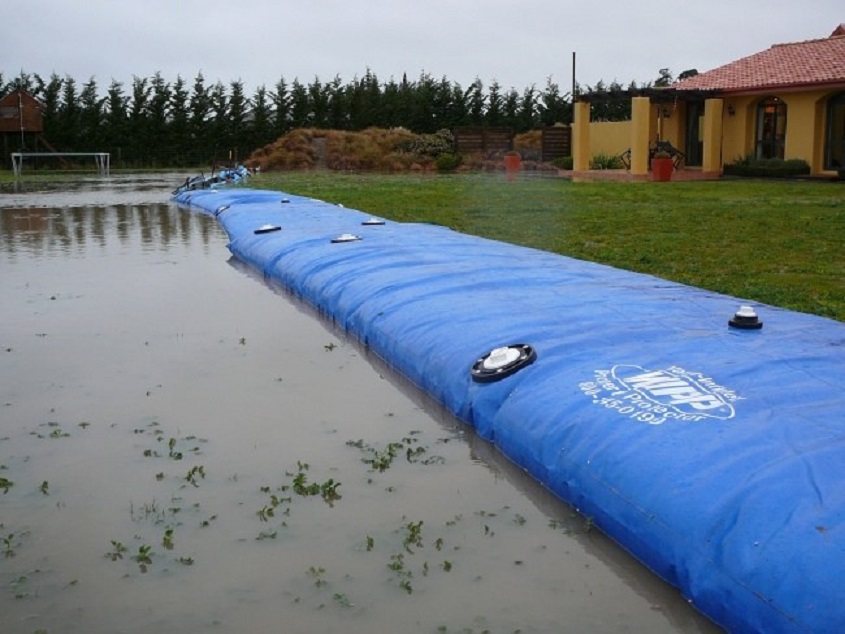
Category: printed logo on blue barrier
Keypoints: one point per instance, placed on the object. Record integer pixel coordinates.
(656, 396)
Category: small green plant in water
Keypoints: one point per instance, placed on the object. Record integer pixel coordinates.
(265, 513)
(175, 455)
(45, 487)
(413, 535)
(144, 557)
(378, 460)
(8, 546)
(301, 486)
(117, 550)
(327, 490)
(6, 484)
(196, 470)
(397, 565)
(317, 572)
(167, 540)
(412, 454)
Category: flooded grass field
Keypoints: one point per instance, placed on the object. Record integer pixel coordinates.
(186, 448)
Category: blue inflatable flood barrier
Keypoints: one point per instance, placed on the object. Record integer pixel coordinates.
(714, 454)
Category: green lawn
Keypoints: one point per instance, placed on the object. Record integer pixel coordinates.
(780, 243)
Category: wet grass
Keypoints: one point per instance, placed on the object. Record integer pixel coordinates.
(779, 243)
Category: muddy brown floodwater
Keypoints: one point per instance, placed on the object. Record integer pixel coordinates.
(186, 448)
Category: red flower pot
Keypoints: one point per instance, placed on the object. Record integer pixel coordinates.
(661, 169)
(512, 162)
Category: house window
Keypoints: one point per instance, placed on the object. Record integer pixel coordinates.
(834, 155)
(771, 128)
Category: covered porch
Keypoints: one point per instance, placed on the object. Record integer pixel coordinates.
(686, 124)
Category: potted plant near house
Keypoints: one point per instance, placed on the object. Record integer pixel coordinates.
(661, 166)
(512, 161)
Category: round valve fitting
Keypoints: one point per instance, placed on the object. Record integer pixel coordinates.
(502, 362)
(267, 229)
(346, 237)
(746, 319)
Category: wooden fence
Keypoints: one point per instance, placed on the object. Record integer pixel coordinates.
(470, 140)
(557, 142)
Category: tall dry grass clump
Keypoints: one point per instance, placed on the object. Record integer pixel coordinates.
(528, 141)
(373, 149)
(293, 151)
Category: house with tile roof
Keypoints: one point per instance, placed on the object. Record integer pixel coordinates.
(787, 101)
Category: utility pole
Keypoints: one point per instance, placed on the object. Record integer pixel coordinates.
(20, 116)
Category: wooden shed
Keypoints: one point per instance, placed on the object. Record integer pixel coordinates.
(21, 112)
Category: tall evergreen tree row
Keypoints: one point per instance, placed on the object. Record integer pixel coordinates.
(154, 122)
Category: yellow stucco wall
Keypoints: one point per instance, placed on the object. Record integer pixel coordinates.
(642, 123)
(609, 137)
(712, 135)
(805, 126)
(737, 128)
(581, 136)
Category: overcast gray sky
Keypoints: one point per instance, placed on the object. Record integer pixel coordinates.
(517, 43)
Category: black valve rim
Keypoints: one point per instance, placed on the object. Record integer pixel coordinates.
(527, 356)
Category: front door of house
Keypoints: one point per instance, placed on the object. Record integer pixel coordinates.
(771, 128)
(835, 147)
(694, 133)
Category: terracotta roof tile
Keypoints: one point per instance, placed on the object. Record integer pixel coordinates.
(796, 64)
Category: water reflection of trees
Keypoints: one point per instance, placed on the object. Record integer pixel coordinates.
(75, 231)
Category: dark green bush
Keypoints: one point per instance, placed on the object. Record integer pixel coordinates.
(448, 162)
(767, 168)
(431, 145)
(563, 163)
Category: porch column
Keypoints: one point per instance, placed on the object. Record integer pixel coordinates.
(640, 125)
(711, 160)
(581, 136)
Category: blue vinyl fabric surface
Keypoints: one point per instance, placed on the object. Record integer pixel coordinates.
(714, 455)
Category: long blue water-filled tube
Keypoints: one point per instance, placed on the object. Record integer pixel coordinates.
(715, 454)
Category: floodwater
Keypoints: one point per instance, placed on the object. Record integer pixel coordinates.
(186, 448)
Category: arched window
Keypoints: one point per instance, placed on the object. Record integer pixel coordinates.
(771, 128)
(834, 153)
